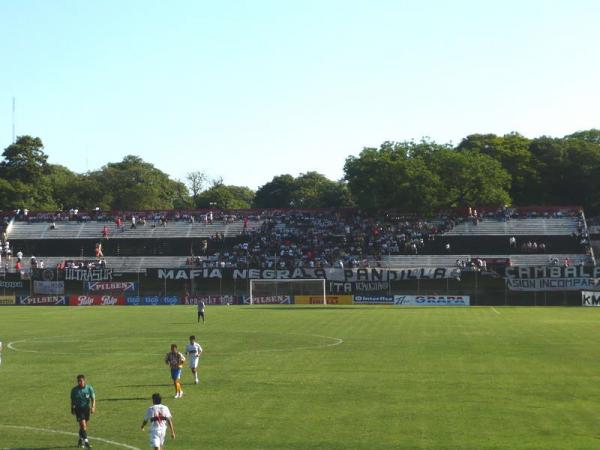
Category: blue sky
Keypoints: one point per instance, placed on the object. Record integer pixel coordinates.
(246, 90)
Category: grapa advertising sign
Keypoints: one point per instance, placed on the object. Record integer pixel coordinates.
(431, 300)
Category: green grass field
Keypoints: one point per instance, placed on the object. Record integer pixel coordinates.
(308, 377)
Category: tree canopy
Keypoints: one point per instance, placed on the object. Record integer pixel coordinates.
(422, 177)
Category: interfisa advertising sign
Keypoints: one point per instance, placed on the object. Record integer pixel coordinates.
(590, 298)
(432, 300)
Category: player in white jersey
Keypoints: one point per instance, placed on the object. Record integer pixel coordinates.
(160, 418)
(194, 350)
(201, 308)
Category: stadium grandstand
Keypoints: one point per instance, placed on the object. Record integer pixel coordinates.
(204, 252)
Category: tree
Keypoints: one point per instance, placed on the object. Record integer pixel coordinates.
(396, 175)
(549, 155)
(277, 193)
(512, 151)
(314, 190)
(371, 175)
(196, 181)
(24, 160)
(472, 179)
(25, 169)
(223, 196)
(134, 184)
(592, 135)
(308, 190)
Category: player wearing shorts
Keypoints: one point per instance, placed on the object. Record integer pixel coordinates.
(83, 403)
(160, 418)
(175, 361)
(193, 350)
(201, 308)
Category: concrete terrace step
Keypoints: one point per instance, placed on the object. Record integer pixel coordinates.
(517, 227)
(399, 261)
(93, 230)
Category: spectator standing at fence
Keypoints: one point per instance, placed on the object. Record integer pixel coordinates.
(175, 361)
(160, 418)
(105, 232)
(98, 250)
(83, 403)
(133, 219)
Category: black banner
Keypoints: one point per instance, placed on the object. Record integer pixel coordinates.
(346, 275)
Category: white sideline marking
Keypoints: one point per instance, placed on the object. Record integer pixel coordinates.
(496, 311)
(48, 430)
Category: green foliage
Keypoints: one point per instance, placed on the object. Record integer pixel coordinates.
(472, 179)
(134, 184)
(226, 197)
(24, 160)
(309, 190)
(512, 152)
(277, 193)
(592, 135)
(424, 177)
(421, 177)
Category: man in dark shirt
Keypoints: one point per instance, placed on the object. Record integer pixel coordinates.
(83, 402)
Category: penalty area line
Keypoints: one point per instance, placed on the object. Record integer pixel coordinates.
(68, 433)
(496, 311)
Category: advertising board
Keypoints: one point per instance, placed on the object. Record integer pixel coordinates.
(96, 300)
(432, 300)
(318, 299)
(41, 300)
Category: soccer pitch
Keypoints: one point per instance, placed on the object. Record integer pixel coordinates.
(314, 377)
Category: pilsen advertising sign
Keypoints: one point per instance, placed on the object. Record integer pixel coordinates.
(345, 275)
(118, 286)
(552, 278)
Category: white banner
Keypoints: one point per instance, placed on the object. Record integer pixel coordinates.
(590, 298)
(49, 287)
(432, 300)
(551, 284)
